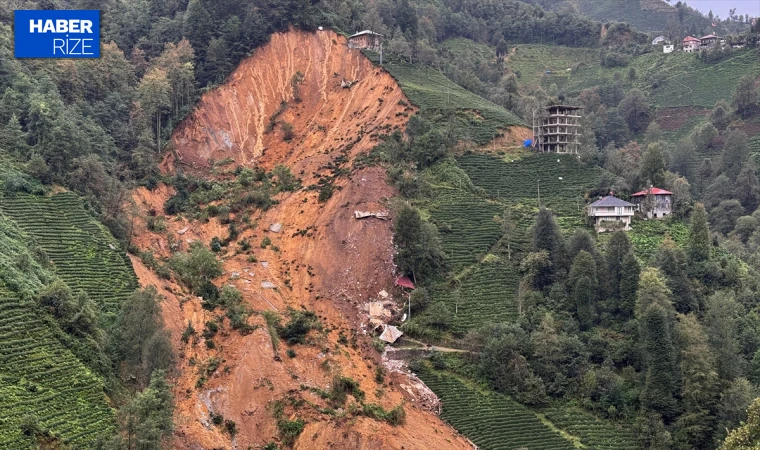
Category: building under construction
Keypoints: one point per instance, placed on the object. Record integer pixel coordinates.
(558, 130)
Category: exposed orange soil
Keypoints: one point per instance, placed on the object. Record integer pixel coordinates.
(334, 270)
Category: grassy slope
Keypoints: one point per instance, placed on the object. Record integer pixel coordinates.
(441, 98)
(83, 252)
(531, 61)
(686, 80)
(468, 200)
(39, 376)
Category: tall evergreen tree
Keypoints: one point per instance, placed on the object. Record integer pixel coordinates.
(699, 243)
(618, 246)
(630, 272)
(583, 286)
(671, 261)
(700, 385)
(722, 314)
(547, 237)
(661, 385)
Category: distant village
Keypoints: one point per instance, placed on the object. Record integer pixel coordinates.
(690, 44)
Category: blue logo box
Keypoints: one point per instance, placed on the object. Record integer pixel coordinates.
(56, 34)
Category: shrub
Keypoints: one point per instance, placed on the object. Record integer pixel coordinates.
(341, 387)
(287, 131)
(289, 430)
(291, 353)
(266, 242)
(196, 268)
(299, 325)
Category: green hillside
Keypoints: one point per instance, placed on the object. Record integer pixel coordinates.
(440, 99)
(494, 421)
(645, 15)
(682, 78)
(42, 381)
(80, 249)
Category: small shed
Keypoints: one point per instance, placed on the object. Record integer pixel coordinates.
(668, 48)
(366, 39)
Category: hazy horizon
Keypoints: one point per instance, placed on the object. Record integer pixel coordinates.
(721, 7)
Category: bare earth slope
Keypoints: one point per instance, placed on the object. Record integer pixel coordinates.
(333, 269)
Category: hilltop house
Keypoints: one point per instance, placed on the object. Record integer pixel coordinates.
(710, 41)
(691, 44)
(611, 213)
(655, 202)
(366, 39)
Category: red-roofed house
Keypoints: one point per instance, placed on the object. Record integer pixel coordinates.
(691, 44)
(655, 202)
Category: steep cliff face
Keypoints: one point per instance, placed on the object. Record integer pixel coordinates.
(325, 260)
(298, 78)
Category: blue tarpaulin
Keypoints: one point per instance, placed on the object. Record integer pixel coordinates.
(527, 142)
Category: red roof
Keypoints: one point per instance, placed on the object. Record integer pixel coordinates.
(691, 39)
(652, 191)
(404, 282)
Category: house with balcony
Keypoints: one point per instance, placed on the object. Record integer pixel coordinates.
(691, 44)
(654, 202)
(611, 213)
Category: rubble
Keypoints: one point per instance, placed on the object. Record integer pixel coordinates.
(382, 215)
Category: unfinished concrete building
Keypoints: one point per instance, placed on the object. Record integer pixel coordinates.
(558, 130)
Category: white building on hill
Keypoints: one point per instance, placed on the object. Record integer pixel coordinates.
(611, 213)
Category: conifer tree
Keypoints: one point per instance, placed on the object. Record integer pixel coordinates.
(630, 272)
(698, 248)
(618, 246)
(671, 261)
(661, 383)
(546, 236)
(700, 389)
(584, 284)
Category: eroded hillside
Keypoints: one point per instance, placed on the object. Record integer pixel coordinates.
(323, 259)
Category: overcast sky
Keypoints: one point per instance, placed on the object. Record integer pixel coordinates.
(721, 7)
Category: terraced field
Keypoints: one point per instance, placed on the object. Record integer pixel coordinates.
(83, 254)
(592, 432)
(531, 61)
(683, 79)
(467, 226)
(39, 377)
(440, 97)
(484, 294)
(492, 421)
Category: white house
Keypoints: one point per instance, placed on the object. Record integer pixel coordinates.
(655, 202)
(611, 213)
(691, 44)
(668, 48)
